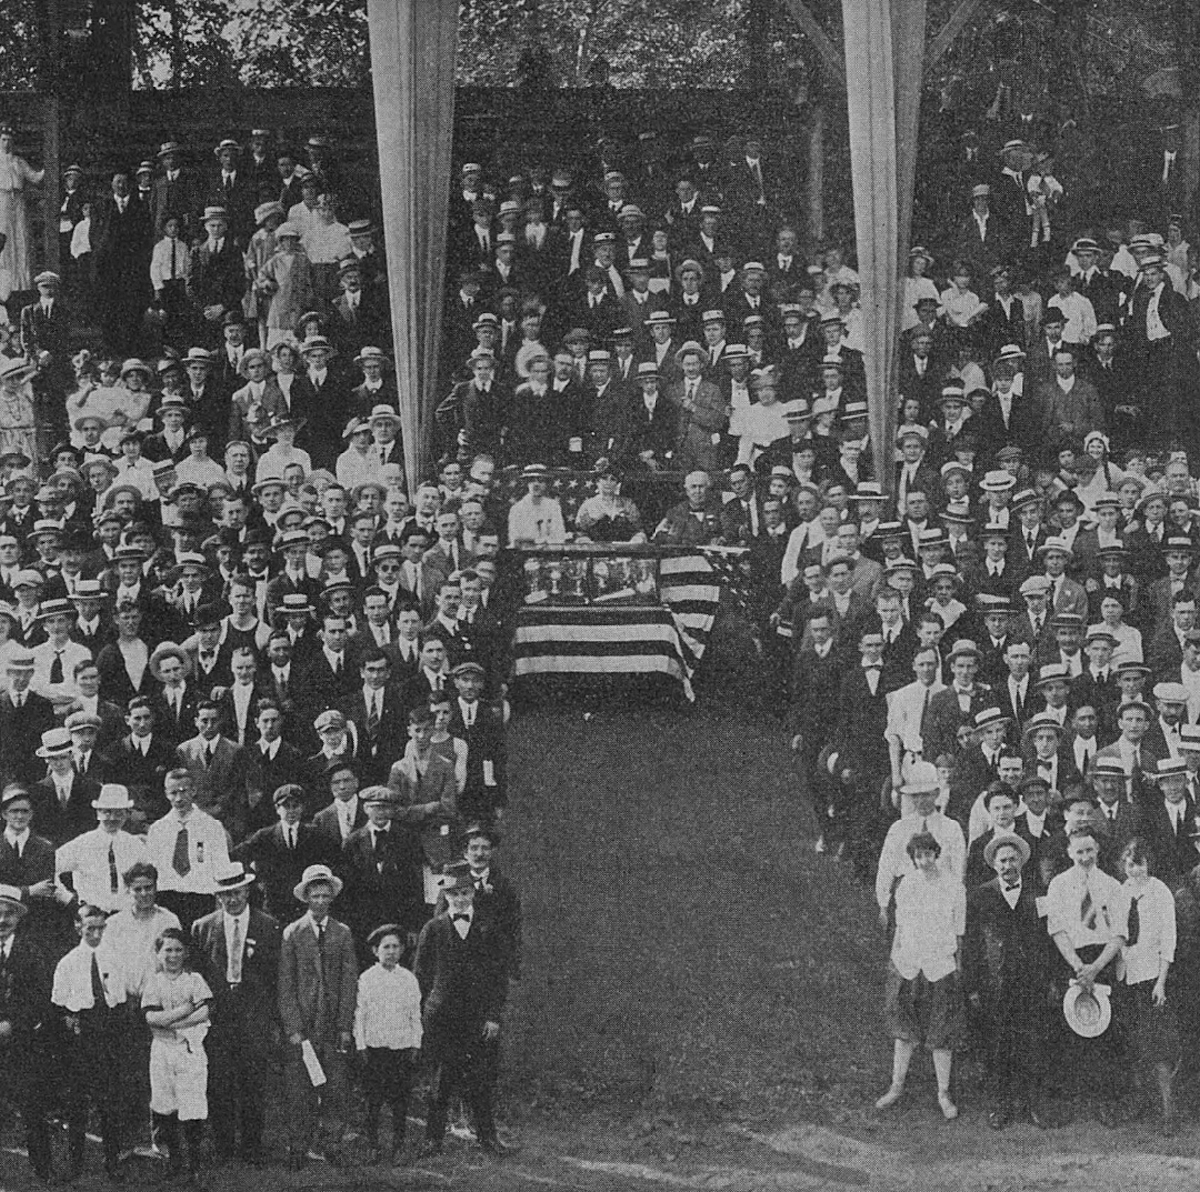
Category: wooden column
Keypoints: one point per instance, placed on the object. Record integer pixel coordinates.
(52, 185)
(816, 174)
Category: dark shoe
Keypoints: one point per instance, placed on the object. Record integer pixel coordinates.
(295, 1160)
(999, 1117)
(493, 1147)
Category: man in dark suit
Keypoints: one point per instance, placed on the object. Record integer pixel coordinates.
(230, 187)
(1169, 822)
(482, 727)
(267, 764)
(27, 863)
(381, 864)
(24, 717)
(236, 949)
(62, 801)
(280, 854)
(328, 680)
(143, 758)
(1005, 972)
(1163, 337)
(25, 1065)
(815, 689)
(945, 716)
(121, 251)
(461, 968)
(46, 323)
(217, 280)
(175, 193)
(375, 708)
(345, 813)
(212, 761)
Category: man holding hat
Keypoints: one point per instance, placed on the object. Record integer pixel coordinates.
(236, 948)
(318, 986)
(1087, 922)
(97, 861)
(1006, 965)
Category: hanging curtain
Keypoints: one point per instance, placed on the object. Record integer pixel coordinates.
(884, 57)
(413, 47)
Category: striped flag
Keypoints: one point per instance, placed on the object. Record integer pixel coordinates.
(690, 586)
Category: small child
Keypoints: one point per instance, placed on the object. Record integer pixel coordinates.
(175, 1002)
(387, 1034)
(1045, 191)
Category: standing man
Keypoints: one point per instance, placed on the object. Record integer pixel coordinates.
(24, 1011)
(237, 950)
(1006, 971)
(188, 847)
(461, 968)
(318, 984)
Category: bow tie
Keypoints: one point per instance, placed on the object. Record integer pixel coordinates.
(1012, 885)
(460, 918)
(873, 667)
(1046, 765)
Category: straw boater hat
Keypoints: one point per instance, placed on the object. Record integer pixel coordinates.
(113, 797)
(233, 876)
(1088, 1011)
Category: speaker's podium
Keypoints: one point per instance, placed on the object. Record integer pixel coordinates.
(596, 611)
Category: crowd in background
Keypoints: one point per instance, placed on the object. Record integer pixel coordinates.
(222, 607)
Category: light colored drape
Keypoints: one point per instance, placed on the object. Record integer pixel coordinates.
(884, 55)
(413, 47)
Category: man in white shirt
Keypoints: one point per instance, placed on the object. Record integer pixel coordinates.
(187, 847)
(894, 862)
(906, 709)
(88, 988)
(98, 860)
(1086, 916)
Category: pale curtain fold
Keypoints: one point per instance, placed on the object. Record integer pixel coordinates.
(413, 48)
(884, 56)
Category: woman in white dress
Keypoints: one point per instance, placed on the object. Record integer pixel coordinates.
(15, 175)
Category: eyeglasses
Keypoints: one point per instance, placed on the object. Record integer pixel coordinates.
(384, 568)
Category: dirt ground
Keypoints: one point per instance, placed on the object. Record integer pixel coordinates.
(701, 999)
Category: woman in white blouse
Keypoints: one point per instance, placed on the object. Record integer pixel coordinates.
(1128, 640)
(923, 1001)
(1143, 968)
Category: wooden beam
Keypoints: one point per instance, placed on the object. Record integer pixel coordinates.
(811, 27)
(959, 19)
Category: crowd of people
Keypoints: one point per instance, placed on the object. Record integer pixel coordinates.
(241, 663)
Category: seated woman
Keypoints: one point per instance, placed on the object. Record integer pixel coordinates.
(608, 516)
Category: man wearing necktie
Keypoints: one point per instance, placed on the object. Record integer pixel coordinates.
(237, 949)
(1171, 826)
(381, 862)
(1087, 925)
(88, 988)
(1006, 977)
(318, 985)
